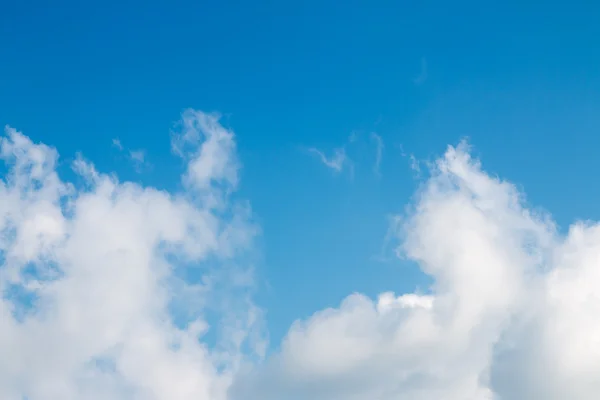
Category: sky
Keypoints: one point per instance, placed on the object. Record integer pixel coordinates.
(276, 201)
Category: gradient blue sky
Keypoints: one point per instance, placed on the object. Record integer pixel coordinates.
(520, 79)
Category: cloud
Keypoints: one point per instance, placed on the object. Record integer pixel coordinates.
(117, 143)
(415, 164)
(115, 290)
(215, 160)
(109, 289)
(423, 74)
(512, 313)
(137, 157)
(378, 152)
(337, 161)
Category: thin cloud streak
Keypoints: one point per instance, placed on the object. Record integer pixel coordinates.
(378, 152)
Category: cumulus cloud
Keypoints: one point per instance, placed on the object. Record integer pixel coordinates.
(109, 288)
(215, 161)
(512, 312)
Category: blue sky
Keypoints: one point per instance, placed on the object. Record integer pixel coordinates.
(520, 80)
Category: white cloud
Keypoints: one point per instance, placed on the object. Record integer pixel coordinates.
(210, 151)
(97, 302)
(512, 314)
(106, 289)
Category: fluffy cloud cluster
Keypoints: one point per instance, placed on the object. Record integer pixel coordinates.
(111, 290)
(512, 313)
(107, 287)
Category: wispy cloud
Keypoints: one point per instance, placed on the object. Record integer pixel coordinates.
(378, 152)
(415, 164)
(422, 76)
(137, 157)
(117, 143)
(337, 161)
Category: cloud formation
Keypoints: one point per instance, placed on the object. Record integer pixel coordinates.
(108, 287)
(112, 290)
(512, 313)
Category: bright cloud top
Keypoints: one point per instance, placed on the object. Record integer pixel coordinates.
(512, 312)
(107, 288)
